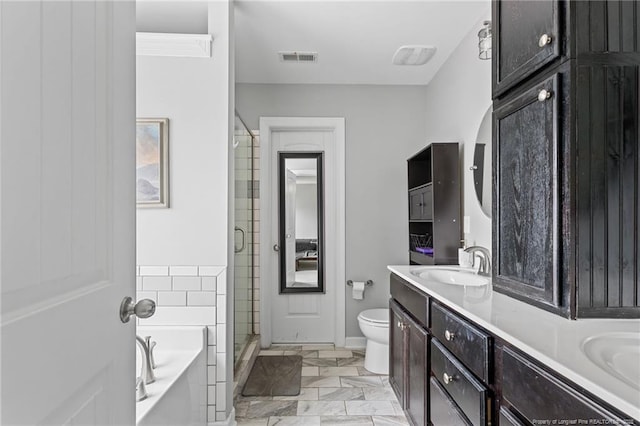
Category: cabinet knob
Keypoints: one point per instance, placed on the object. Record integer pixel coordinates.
(449, 335)
(543, 95)
(474, 167)
(544, 40)
(447, 378)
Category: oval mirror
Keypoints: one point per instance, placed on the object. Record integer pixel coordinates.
(482, 164)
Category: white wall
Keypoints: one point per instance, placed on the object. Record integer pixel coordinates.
(306, 211)
(383, 126)
(457, 99)
(192, 93)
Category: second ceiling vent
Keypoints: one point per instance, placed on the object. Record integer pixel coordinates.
(298, 56)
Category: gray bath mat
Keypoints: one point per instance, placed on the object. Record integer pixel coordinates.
(274, 376)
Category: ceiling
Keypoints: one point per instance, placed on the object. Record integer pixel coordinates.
(355, 40)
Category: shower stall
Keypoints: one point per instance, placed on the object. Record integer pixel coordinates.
(245, 194)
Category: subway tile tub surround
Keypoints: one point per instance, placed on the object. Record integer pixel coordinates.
(527, 350)
(192, 295)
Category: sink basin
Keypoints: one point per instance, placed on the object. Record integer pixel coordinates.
(455, 276)
(616, 353)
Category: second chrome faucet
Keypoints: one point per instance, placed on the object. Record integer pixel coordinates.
(485, 259)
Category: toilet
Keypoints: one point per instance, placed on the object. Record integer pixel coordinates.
(374, 324)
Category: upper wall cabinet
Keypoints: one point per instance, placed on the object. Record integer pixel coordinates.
(527, 36)
(566, 148)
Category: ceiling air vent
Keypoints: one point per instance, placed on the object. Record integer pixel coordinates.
(298, 56)
(413, 55)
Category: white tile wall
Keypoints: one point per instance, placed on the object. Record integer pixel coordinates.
(172, 298)
(153, 283)
(187, 283)
(193, 295)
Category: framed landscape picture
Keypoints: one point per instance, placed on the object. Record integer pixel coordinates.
(152, 162)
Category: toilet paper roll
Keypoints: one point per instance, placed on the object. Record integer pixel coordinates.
(358, 290)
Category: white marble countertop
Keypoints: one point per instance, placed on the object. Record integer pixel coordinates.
(553, 340)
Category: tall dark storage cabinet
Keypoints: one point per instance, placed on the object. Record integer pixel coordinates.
(434, 205)
(566, 141)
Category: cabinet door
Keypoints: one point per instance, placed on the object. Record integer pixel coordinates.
(417, 373)
(421, 203)
(397, 349)
(526, 37)
(415, 204)
(527, 137)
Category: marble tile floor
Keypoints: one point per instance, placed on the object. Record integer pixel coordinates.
(336, 390)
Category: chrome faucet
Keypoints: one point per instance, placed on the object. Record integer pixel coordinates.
(485, 259)
(146, 371)
(141, 390)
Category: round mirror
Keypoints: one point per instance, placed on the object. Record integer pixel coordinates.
(482, 164)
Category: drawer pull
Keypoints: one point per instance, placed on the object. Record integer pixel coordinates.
(449, 336)
(544, 40)
(447, 378)
(543, 95)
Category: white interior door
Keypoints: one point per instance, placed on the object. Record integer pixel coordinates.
(67, 208)
(290, 224)
(306, 317)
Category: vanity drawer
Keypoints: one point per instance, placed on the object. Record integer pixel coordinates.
(415, 302)
(537, 395)
(471, 345)
(508, 419)
(468, 392)
(444, 412)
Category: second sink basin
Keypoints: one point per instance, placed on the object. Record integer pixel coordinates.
(616, 353)
(451, 275)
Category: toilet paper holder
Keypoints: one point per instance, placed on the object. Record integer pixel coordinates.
(367, 283)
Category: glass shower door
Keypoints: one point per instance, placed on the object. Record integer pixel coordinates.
(243, 269)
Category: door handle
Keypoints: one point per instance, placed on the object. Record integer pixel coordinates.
(242, 246)
(143, 309)
(276, 247)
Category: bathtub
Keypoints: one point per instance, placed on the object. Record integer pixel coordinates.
(179, 394)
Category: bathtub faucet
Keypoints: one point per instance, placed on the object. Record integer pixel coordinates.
(485, 259)
(146, 371)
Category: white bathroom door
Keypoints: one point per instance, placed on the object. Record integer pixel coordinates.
(303, 317)
(67, 209)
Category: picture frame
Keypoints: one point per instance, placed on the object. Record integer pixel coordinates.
(152, 162)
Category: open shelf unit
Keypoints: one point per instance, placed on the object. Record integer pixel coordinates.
(434, 205)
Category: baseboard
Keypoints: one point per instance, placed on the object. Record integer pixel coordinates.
(229, 421)
(355, 342)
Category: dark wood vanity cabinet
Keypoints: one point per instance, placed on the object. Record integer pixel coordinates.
(447, 370)
(434, 205)
(566, 132)
(409, 350)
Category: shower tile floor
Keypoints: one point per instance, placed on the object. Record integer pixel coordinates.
(336, 390)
